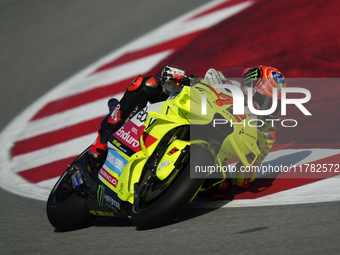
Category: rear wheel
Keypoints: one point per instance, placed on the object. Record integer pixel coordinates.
(159, 200)
(66, 209)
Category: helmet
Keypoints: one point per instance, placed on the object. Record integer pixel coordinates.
(171, 78)
(262, 79)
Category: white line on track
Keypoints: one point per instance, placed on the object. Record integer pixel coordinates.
(181, 26)
(66, 118)
(113, 75)
(53, 153)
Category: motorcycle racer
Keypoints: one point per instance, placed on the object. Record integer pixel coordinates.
(153, 89)
(262, 79)
(138, 93)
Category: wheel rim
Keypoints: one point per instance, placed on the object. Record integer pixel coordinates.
(153, 188)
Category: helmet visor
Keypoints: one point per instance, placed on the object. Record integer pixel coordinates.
(263, 102)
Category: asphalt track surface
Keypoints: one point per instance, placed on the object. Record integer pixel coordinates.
(43, 43)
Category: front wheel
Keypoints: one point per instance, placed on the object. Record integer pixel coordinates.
(66, 209)
(158, 202)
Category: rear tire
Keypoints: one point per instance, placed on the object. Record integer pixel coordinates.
(181, 189)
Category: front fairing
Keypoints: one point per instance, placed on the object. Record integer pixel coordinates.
(130, 147)
(236, 134)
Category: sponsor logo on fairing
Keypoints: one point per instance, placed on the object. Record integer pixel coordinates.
(108, 177)
(172, 151)
(108, 198)
(115, 162)
(127, 137)
(110, 201)
(143, 114)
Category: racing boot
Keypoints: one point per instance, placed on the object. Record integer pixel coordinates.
(98, 149)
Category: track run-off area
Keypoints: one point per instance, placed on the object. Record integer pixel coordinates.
(55, 128)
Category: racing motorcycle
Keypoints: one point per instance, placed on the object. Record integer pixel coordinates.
(150, 171)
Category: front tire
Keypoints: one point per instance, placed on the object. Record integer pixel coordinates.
(180, 190)
(66, 209)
